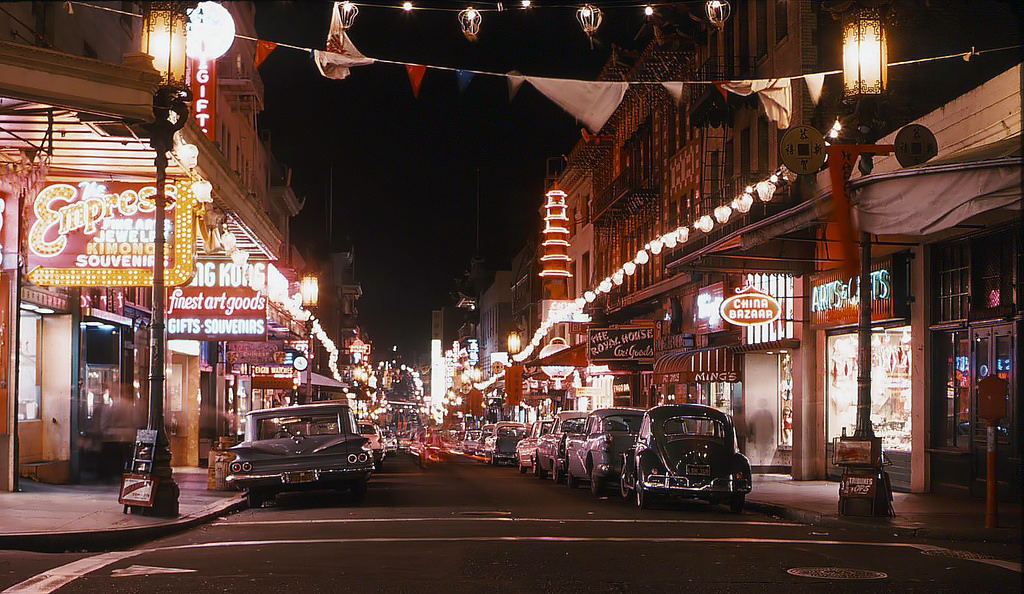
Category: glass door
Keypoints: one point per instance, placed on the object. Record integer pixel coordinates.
(993, 354)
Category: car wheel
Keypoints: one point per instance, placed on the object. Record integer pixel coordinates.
(256, 497)
(358, 491)
(623, 487)
(541, 473)
(596, 483)
(522, 469)
(736, 503)
(557, 474)
(643, 498)
(572, 480)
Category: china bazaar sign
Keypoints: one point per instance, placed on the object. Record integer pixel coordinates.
(219, 304)
(750, 307)
(102, 235)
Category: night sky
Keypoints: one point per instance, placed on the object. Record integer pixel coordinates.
(404, 168)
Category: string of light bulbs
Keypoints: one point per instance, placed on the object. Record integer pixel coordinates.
(763, 190)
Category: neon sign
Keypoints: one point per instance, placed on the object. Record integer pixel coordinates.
(204, 89)
(841, 294)
(750, 307)
(219, 304)
(102, 235)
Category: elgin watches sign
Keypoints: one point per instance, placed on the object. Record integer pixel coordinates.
(627, 343)
(102, 235)
(220, 303)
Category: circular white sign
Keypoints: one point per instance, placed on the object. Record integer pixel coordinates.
(300, 363)
(210, 31)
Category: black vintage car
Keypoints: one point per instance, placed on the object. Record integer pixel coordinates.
(686, 451)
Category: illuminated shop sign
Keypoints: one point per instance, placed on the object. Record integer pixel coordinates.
(102, 235)
(836, 297)
(626, 343)
(204, 90)
(274, 377)
(750, 307)
(709, 304)
(220, 303)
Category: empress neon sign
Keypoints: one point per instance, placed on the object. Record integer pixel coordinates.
(102, 235)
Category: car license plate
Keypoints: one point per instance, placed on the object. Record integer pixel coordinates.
(306, 476)
(698, 469)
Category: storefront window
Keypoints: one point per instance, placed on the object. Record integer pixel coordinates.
(953, 401)
(29, 389)
(785, 400)
(890, 386)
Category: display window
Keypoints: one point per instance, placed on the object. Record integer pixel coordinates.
(890, 386)
(785, 435)
(953, 408)
(29, 371)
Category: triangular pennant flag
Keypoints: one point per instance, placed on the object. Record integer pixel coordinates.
(814, 84)
(721, 89)
(515, 80)
(416, 73)
(263, 49)
(675, 89)
(463, 77)
(591, 102)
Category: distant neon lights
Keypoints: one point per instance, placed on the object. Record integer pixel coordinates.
(556, 259)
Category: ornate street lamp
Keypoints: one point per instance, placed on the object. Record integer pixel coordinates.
(865, 57)
(514, 343)
(310, 289)
(163, 39)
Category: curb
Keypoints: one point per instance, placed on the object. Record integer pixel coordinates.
(803, 516)
(114, 538)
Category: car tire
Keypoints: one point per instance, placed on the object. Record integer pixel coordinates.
(736, 503)
(522, 469)
(597, 484)
(256, 497)
(572, 480)
(557, 474)
(541, 473)
(643, 498)
(358, 491)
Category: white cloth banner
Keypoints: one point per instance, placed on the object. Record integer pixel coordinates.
(515, 80)
(775, 93)
(675, 89)
(926, 202)
(590, 102)
(336, 65)
(814, 84)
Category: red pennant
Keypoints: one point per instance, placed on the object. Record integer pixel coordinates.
(263, 49)
(416, 77)
(721, 89)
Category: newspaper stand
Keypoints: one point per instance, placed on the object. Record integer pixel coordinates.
(138, 485)
(865, 488)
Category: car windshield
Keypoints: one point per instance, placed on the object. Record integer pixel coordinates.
(488, 432)
(545, 427)
(298, 426)
(472, 435)
(681, 427)
(573, 425)
(623, 423)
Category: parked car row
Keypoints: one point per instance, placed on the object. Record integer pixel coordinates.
(682, 451)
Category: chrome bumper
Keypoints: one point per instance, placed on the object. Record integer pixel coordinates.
(264, 479)
(682, 485)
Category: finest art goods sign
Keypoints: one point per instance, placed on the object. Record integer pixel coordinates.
(627, 343)
(102, 235)
(220, 303)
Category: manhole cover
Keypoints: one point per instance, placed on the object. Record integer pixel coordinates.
(484, 514)
(836, 573)
(957, 554)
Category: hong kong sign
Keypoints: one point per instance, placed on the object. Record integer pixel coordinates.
(102, 235)
(219, 304)
(626, 343)
(836, 297)
(750, 307)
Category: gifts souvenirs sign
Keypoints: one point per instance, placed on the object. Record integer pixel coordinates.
(95, 234)
(219, 303)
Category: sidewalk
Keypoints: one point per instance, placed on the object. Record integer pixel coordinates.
(922, 515)
(53, 518)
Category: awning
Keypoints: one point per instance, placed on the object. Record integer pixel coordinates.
(941, 194)
(575, 356)
(772, 345)
(706, 365)
(321, 381)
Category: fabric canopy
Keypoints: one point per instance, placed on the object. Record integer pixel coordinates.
(706, 365)
(321, 381)
(939, 195)
(575, 356)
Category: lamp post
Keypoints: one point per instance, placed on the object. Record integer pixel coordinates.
(163, 39)
(309, 288)
(514, 343)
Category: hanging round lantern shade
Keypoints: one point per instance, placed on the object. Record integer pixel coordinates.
(347, 12)
(590, 18)
(470, 19)
(718, 12)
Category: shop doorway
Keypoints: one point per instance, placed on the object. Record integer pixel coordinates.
(993, 354)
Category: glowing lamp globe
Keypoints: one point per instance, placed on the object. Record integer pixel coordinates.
(629, 268)
(210, 30)
(865, 55)
(555, 372)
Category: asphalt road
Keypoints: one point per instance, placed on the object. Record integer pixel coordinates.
(462, 526)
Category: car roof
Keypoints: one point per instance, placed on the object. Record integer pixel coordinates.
(300, 409)
(605, 412)
(571, 414)
(510, 424)
(668, 411)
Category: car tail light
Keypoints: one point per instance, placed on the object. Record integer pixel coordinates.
(352, 458)
(246, 466)
(363, 457)
(654, 471)
(236, 467)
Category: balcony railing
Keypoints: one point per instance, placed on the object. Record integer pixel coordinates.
(236, 80)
